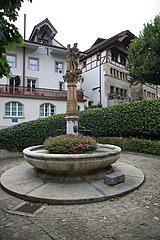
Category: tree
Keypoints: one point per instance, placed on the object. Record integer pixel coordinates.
(144, 55)
(9, 34)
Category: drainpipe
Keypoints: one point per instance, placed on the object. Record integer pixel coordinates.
(100, 83)
(24, 52)
(100, 80)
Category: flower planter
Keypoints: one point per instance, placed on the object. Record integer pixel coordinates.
(103, 157)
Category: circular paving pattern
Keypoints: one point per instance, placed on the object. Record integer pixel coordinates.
(22, 181)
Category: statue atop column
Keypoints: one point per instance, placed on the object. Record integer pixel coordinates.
(72, 62)
(72, 76)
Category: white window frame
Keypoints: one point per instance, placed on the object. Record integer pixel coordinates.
(31, 85)
(12, 60)
(46, 109)
(13, 109)
(32, 65)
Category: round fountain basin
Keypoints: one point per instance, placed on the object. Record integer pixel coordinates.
(103, 157)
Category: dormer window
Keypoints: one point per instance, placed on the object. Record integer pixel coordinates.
(43, 32)
(43, 41)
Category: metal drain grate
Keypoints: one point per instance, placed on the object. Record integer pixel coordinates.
(29, 208)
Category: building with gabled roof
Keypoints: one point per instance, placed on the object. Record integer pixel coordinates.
(36, 88)
(105, 78)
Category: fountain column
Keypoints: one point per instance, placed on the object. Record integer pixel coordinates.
(72, 76)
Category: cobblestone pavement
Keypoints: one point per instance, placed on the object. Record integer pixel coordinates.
(134, 216)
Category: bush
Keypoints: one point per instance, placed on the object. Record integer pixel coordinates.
(70, 144)
(139, 119)
(133, 144)
(136, 119)
(31, 133)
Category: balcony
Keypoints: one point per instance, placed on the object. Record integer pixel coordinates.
(42, 93)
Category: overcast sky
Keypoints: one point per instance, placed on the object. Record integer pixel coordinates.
(84, 21)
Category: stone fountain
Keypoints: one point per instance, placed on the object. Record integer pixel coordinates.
(72, 163)
(71, 178)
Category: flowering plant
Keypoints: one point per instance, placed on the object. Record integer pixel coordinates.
(70, 144)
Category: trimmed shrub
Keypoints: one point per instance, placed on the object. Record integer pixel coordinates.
(136, 119)
(133, 144)
(139, 119)
(31, 133)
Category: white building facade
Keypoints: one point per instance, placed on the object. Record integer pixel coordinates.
(36, 88)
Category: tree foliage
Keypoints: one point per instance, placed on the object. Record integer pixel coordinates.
(9, 34)
(144, 54)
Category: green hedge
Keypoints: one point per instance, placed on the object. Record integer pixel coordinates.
(133, 144)
(31, 133)
(137, 119)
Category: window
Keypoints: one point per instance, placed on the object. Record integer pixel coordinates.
(84, 64)
(98, 56)
(31, 85)
(13, 109)
(41, 40)
(125, 93)
(60, 86)
(111, 71)
(153, 95)
(148, 94)
(123, 60)
(117, 91)
(114, 56)
(59, 67)
(117, 74)
(121, 92)
(47, 109)
(33, 64)
(111, 89)
(11, 60)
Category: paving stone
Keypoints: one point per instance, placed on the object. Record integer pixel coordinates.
(120, 218)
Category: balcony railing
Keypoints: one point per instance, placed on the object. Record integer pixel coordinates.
(18, 91)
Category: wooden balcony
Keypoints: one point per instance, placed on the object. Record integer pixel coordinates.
(43, 93)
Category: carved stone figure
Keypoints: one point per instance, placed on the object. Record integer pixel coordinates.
(72, 76)
(72, 61)
(72, 58)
